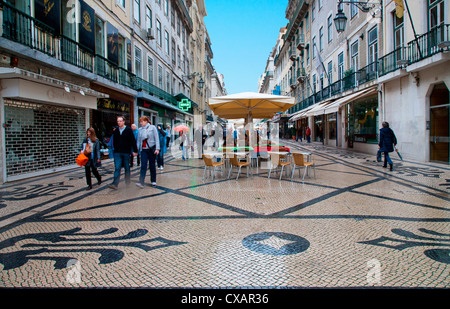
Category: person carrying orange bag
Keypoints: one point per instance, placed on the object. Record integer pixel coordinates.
(82, 159)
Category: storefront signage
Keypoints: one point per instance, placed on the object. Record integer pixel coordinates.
(86, 29)
(113, 105)
(184, 104)
(49, 12)
(113, 43)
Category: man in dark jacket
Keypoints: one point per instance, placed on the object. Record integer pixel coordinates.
(124, 142)
(387, 143)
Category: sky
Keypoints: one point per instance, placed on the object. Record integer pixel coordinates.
(243, 33)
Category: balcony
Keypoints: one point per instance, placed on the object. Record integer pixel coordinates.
(350, 81)
(301, 75)
(300, 42)
(435, 41)
(292, 54)
(393, 61)
(426, 45)
(299, 14)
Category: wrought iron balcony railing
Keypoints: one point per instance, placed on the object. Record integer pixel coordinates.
(26, 30)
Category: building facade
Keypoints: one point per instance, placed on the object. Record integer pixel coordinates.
(70, 65)
(377, 69)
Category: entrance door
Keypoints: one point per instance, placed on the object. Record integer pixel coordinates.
(439, 129)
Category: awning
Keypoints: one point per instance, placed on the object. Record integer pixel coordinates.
(334, 107)
(318, 109)
(300, 114)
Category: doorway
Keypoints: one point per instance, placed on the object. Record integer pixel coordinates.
(439, 124)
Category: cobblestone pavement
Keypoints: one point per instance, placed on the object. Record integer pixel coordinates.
(355, 224)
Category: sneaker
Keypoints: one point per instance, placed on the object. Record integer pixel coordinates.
(114, 187)
(140, 185)
(162, 167)
(153, 184)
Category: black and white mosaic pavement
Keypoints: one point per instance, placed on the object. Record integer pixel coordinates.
(356, 224)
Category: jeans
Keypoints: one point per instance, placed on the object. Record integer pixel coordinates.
(147, 157)
(308, 138)
(160, 159)
(387, 158)
(185, 152)
(121, 159)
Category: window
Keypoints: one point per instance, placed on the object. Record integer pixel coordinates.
(99, 36)
(330, 72)
(320, 4)
(313, 10)
(166, 7)
(148, 17)
(307, 55)
(173, 51)
(321, 81)
(321, 38)
(167, 82)
(436, 22)
(137, 62)
(314, 83)
(341, 65)
(373, 45)
(160, 77)
(137, 10)
(398, 31)
(355, 56)
(172, 16)
(330, 28)
(178, 27)
(363, 118)
(436, 13)
(150, 70)
(158, 33)
(179, 57)
(307, 21)
(353, 10)
(166, 41)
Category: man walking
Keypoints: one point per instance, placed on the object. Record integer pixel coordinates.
(124, 142)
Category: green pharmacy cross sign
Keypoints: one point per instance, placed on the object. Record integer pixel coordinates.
(184, 104)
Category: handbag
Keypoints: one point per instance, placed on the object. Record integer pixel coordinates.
(87, 150)
(82, 160)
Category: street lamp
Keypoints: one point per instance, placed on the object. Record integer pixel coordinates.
(201, 83)
(340, 21)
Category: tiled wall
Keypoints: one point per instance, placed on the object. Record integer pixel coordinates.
(41, 136)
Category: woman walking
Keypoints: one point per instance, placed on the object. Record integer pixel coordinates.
(387, 143)
(94, 162)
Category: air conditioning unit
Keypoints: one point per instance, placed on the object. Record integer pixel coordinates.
(150, 35)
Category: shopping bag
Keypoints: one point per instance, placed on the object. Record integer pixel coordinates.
(82, 160)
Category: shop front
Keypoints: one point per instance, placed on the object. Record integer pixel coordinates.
(331, 129)
(156, 113)
(104, 118)
(44, 125)
(362, 128)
